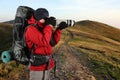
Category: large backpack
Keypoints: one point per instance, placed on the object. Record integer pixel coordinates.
(20, 51)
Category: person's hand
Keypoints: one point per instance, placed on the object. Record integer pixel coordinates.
(50, 21)
(62, 25)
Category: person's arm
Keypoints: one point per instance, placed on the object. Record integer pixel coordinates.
(55, 38)
(37, 37)
(57, 34)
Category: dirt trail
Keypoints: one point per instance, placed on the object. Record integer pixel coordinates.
(69, 65)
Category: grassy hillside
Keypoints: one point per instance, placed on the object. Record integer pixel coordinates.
(100, 29)
(5, 36)
(11, 70)
(100, 43)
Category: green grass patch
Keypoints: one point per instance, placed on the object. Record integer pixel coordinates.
(104, 65)
(105, 70)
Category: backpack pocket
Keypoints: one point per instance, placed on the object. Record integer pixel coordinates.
(20, 54)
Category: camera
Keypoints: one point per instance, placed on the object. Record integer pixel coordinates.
(68, 22)
(55, 22)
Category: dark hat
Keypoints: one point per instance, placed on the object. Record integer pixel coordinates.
(41, 13)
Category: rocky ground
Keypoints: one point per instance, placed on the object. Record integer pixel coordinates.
(69, 64)
(69, 67)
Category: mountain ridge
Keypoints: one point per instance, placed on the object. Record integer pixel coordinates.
(101, 45)
(12, 21)
(9, 22)
(99, 28)
(96, 45)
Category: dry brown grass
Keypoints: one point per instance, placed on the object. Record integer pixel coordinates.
(101, 43)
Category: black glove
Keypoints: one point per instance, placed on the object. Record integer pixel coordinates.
(62, 25)
(50, 20)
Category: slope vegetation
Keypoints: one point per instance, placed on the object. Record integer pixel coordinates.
(88, 51)
(100, 43)
(5, 36)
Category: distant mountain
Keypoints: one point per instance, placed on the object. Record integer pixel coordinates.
(9, 22)
(99, 28)
(100, 45)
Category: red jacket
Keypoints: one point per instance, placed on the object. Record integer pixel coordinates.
(42, 41)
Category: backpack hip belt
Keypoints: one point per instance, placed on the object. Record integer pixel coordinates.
(37, 60)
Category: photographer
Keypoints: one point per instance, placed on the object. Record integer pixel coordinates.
(39, 40)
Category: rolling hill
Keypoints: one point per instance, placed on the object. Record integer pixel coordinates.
(97, 44)
(100, 43)
(5, 36)
(9, 22)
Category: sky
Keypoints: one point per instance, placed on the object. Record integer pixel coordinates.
(105, 11)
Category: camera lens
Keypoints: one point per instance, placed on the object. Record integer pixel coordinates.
(70, 22)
